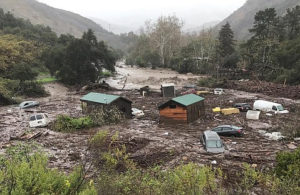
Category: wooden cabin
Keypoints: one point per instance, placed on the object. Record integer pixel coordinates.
(186, 108)
(168, 90)
(94, 100)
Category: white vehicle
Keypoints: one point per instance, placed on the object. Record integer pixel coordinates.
(267, 106)
(39, 120)
(137, 113)
(218, 91)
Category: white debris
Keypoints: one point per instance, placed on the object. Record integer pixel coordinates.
(262, 131)
(253, 115)
(214, 162)
(166, 133)
(297, 139)
(272, 136)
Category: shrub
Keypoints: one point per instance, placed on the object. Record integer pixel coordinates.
(65, 123)
(32, 89)
(7, 90)
(105, 74)
(108, 153)
(23, 171)
(288, 165)
(184, 179)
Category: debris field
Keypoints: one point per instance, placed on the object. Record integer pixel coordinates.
(148, 141)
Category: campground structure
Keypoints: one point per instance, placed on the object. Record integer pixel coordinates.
(187, 108)
(95, 100)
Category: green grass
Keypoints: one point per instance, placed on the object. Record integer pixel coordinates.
(47, 80)
(106, 74)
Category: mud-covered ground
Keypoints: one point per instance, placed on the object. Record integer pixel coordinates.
(149, 141)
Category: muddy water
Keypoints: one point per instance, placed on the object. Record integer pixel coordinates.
(135, 77)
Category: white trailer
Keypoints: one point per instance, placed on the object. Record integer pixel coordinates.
(267, 106)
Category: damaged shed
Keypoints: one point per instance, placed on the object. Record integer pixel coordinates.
(187, 108)
(168, 90)
(94, 100)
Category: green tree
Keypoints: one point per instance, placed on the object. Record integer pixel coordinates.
(226, 50)
(226, 42)
(265, 37)
(81, 60)
(292, 21)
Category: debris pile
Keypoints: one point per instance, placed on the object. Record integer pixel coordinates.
(267, 88)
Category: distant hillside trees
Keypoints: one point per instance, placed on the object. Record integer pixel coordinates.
(162, 44)
(158, 44)
(197, 55)
(79, 61)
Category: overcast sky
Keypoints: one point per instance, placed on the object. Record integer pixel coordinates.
(134, 12)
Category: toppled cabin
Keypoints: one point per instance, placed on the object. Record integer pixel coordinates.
(95, 100)
(168, 90)
(187, 108)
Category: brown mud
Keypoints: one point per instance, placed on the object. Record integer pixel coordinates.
(148, 141)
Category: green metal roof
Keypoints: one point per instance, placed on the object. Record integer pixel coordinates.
(99, 98)
(187, 100)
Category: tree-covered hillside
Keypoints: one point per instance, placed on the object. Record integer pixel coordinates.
(60, 21)
(242, 19)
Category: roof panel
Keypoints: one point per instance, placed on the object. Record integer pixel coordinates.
(187, 100)
(100, 98)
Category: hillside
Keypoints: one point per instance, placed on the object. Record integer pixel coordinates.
(60, 21)
(115, 28)
(242, 19)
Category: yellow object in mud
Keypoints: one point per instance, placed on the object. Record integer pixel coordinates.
(228, 111)
(202, 92)
(217, 109)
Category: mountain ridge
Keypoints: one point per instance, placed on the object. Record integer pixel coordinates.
(60, 21)
(242, 19)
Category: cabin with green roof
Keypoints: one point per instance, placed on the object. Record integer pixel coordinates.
(94, 100)
(186, 108)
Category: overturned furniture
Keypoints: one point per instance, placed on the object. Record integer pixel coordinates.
(99, 100)
(187, 108)
(168, 90)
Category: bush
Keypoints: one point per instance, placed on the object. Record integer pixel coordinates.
(288, 165)
(184, 179)
(23, 171)
(96, 117)
(7, 90)
(65, 123)
(32, 89)
(105, 74)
